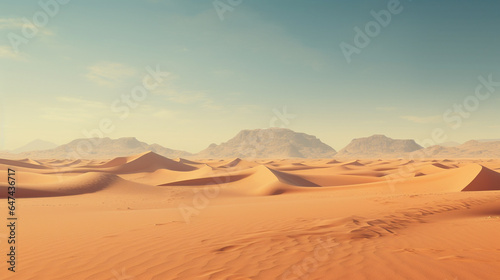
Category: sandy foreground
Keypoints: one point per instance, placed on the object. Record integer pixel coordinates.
(149, 217)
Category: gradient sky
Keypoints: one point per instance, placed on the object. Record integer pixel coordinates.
(236, 73)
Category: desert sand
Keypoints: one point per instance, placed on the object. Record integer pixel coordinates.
(150, 217)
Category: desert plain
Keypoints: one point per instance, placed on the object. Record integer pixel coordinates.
(151, 217)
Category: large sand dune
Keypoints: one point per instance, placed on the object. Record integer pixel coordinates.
(150, 217)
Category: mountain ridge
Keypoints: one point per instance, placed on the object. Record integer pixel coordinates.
(99, 148)
(269, 143)
(378, 145)
(264, 143)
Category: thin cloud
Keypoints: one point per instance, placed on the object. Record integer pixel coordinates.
(19, 23)
(8, 53)
(386, 109)
(165, 114)
(73, 109)
(74, 115)
(423, 120)
(81, 102)
(109, 74)
(147, 110)
(13, 23)
(186, 97)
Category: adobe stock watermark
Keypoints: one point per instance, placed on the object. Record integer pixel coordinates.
(32, 27)
(320, 254)
(224, 6)
(453, 117)
(122, 275)
(201, 199)
(363, 37)
(122, 106)
(483, 91)
(249, 149)
(253, 145)
(282, 116)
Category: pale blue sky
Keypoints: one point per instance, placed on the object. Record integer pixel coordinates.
(230, 74)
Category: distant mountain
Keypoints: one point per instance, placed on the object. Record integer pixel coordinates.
(258, 143)
(378, 146)
(488, 140)
(269, 143)
(35, 145)
(97, 148)
(470, 149)
(450, 144)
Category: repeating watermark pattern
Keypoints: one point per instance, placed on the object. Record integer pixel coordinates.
(224, 6)
(303, 269)
(201, 199)
(249, 149)
(32, 27)
(122, 275)
(483, 91)
(121, 106)
(363, 37)
(282, 116)
(453, 117)
(253, 145)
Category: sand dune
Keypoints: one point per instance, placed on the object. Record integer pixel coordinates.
(352, 163)
(259, 180)
(187, 161)
(146, 162)
(85, 183)
(485, 180)
(165, 176)
(22, 163)
(150, 217)
(237, 163)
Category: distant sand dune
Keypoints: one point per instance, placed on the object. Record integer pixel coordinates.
(85, 183)
(22, 163)
(147, 162)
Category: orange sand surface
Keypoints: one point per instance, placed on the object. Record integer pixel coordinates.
(150, 217)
